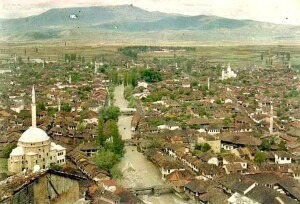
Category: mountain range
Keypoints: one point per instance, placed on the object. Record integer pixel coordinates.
(131, 24)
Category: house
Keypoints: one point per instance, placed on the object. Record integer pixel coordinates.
(282, 157)
(89, 148)
(246, 190)
(45, 186)
(230, 141)
(195, 188)
(177, 179)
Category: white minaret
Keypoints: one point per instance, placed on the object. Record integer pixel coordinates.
(96, 67)
(271, 120)
(33, 108)
(228, 68)
(223, 74)
(208, 83)
(290, 64)
(43, 64)
(59, 104)
(70, 79)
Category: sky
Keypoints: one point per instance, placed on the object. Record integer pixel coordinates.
(275, 11)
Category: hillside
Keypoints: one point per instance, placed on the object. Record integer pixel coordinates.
(129, 23)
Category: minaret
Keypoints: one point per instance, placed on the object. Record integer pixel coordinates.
(290, 65)
(223, 74)
(33, 108)
(96, 67)
(271, 120)
(58, 104)
(43, 64)
(208, 83)
(228, 68)
(70, 79)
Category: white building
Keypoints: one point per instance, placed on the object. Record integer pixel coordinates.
(35, 148)
(228, 73)
(282, 157)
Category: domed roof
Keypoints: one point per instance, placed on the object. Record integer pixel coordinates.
(18, 151)
(34, 134)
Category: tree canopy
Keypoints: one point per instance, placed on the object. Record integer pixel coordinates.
(151, 76)
(105, 159)
(110, 113)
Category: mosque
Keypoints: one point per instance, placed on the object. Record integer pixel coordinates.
(34, 149)
(229, 73)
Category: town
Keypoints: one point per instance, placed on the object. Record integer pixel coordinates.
(133, 124)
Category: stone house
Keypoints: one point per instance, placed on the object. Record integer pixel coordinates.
(46, 186)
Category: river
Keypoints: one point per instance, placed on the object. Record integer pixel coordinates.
(137, 170)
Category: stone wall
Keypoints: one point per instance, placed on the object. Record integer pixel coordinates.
(24, 196)
(68, 190)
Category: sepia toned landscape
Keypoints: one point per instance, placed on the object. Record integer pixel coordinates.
(120, 104)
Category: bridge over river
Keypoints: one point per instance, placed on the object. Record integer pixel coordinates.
(156, 190)
(127, 111)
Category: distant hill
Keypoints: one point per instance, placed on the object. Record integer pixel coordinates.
(129, 23)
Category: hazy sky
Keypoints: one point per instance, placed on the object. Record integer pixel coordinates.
(276, 11)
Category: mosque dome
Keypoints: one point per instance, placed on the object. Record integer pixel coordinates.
(33, 135)
(18, 151)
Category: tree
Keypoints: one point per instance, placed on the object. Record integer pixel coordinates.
(105, 159)
(8, 149)
(265, 145)
(101, 137)
(203, 147)
(20, 60)
(115, 172)
(282, 146)
(227, 121)
(259, 157)
(111, 112)
(66, 107)
(151, 76)
(40, 106)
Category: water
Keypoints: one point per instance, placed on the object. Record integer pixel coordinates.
(137, 170)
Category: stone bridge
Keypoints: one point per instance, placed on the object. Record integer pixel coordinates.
(156, 190)
(127, 111)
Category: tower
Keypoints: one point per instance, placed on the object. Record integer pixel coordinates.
(271, 120)
(96, 67)
(228, 68)
(208, 83)
(290, 66)
(59, 104)
(70, 79)
(33, 108)
(223, 75)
